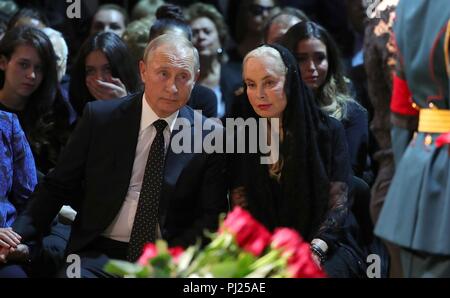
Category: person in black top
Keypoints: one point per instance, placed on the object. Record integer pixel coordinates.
(28, 81)
(321, 69)
(307, 187)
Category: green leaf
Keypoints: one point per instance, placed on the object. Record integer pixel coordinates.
(269, 258)
(162, 247)
(262, 271)
(161, 260)
(146, 272)
(196, 263)
(123, 268)
(162, 272)
(186, 258)
(224, 270)
(245, 260)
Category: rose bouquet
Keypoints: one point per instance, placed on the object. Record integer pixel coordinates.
(242, 247)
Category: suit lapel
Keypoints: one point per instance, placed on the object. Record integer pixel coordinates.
(126, 137)
(175, 163)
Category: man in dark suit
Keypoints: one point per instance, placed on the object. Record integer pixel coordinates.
(204, 99)
(125, 181)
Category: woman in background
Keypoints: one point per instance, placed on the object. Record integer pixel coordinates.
(210, 37)
(28, 80)
(102, 70)
(28, 88)
(320, 65)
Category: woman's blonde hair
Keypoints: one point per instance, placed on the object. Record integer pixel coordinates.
(333, 100)
(265, 51)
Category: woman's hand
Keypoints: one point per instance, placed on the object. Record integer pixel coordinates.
(316, 259)
(239, 197)
(19, 254)
(9, 240)
(319, 249)
(112, 88)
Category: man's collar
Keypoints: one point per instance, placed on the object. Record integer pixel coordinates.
(149, 116)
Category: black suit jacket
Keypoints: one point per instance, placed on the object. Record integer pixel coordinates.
(94, 172)
(230, 81)
(204, 99)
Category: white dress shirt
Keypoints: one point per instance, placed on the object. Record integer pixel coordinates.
(120, 228)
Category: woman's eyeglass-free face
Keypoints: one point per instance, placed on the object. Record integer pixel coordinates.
(256, 9)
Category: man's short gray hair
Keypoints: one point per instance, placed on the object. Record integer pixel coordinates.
(174, 40)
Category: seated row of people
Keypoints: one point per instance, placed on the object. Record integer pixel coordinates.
(192, 187)
(100, 74)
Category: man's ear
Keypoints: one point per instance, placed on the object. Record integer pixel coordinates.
(142, 70)
(197, 75)
(3, 62)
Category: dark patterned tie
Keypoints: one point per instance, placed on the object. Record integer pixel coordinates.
(146, 218)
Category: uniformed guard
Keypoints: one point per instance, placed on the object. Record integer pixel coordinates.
(416, 213)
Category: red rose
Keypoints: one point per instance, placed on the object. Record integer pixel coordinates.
(236, 220)
(150, 251)
(302, 265)
(249, 234)
(176, 252)
(257, 241)
(287, 240)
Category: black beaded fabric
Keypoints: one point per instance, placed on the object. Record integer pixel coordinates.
(146, 218)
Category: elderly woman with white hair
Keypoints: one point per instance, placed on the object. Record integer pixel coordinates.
(61, 51)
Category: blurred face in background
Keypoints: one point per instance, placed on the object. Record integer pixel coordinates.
(108, 20)
(205, 36)
(312, 59)
(356, 13)
(259, 12)
(280, 26)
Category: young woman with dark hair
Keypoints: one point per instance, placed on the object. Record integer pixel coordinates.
(28, 80)
(320, 66)
(102, 70)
